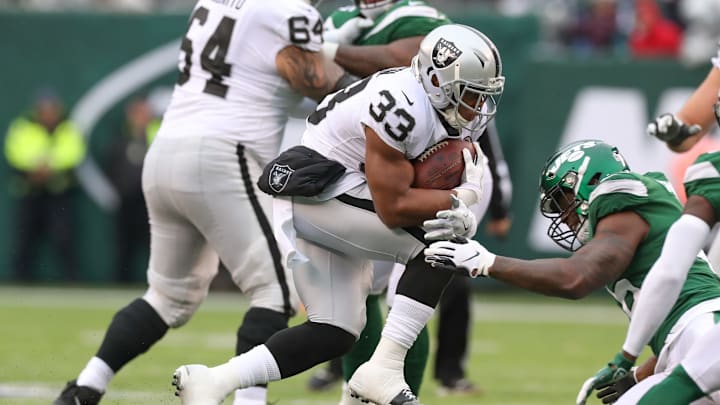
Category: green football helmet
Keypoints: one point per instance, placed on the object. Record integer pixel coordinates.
(568, 178)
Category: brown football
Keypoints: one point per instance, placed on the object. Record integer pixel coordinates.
(441, 166)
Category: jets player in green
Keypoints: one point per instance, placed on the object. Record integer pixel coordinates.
(615, 221)
(699, 372)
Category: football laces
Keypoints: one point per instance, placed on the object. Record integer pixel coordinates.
(432, 150)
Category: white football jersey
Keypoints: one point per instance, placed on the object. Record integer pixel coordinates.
(228, 84)
(391, 102)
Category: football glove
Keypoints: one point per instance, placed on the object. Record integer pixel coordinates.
(459, 220)
(615, 370)
(610, 393)
(669, 128)
(347, 33)
(467, 256)
(471, 188)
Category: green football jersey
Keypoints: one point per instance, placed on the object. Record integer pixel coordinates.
(703, 178)
(407, 18)
(651, 196)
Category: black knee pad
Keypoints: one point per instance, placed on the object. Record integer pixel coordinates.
(304, 346)
(133, 330)
(257, 327)
(423, 283)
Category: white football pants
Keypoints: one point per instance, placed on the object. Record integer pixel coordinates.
(203, 203)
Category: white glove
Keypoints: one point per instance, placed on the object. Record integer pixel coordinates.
(669, 128)
(471, 189)
(464, 254)
(459, 220)
(347, 33)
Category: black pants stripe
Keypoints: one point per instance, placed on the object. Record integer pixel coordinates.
(266, 228)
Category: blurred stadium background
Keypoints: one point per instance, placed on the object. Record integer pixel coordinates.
(574, 71)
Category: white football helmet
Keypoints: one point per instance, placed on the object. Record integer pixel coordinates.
(455, 60)
(373, 8)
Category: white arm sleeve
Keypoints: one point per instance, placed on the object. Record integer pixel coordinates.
(664, 281)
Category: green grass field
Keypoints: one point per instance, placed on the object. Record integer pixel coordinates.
(526, 349)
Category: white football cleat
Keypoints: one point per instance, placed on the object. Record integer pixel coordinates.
(347, 399)
(381, 385)
(195, 384)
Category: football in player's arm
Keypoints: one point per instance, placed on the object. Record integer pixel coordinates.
(365, 38)
(382, 218)
(615, 222)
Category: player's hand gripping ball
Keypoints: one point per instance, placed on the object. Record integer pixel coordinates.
(441, 166)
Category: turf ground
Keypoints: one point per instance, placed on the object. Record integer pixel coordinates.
(526, 349)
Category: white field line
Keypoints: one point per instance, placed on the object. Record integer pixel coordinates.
(523, 311)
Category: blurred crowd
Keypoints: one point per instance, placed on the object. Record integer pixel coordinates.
(44, 149)
(683, 29)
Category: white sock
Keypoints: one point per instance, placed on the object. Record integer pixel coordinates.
(389, 354)
(257, 366)
(251, 396)
(406, 319)
(96, 374)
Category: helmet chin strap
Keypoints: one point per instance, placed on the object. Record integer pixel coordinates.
(457, 121)
(454, 119)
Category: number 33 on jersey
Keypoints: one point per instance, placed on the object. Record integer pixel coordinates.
(392, 103)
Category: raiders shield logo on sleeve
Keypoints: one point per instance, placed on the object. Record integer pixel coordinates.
(279, 177)
(445, 53)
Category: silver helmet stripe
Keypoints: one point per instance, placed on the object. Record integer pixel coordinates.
(496, 57)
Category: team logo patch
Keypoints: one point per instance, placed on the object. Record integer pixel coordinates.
(445, 53)
(279, 177)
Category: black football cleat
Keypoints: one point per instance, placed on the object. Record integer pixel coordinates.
(74, 394)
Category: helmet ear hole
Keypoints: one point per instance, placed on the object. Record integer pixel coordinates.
(434, 80)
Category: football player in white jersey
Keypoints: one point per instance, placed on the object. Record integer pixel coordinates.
(243, 65)
(365, 38)
(371, 131)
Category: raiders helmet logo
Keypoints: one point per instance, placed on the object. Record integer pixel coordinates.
(279, 177)
(445, 53)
